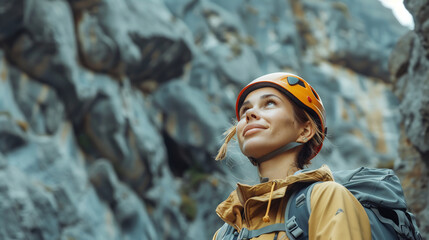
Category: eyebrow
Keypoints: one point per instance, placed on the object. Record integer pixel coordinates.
(268, 95)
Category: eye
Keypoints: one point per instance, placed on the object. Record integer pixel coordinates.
(243, 110)
(270, 102)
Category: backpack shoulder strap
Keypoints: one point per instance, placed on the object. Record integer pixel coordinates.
(297, 212)
(224, 231)
(227, 232)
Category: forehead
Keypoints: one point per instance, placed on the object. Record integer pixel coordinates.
(258, 93)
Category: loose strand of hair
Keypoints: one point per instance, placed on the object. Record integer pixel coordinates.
(229, 134)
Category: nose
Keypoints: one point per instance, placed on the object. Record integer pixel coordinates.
(252, 114)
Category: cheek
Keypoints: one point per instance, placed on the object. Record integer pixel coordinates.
(285, 125)
(239, 131)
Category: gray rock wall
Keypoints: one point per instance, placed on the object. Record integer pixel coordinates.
(112, 112)
(409, 70)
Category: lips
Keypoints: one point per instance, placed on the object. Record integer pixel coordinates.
(250, 128)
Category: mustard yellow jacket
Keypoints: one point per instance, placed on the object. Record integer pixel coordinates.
(326, 220)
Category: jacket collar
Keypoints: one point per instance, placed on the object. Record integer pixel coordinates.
(231, 209)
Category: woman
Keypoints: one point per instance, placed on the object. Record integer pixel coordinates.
(281, 127)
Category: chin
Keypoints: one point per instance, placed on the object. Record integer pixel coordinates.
(255, 149)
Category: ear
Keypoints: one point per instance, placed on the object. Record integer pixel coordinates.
(307, 131)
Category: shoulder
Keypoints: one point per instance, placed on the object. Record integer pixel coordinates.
(336, 213)
(330, 186)
(331, 192)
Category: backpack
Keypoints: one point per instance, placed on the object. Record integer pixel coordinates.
(378, 190)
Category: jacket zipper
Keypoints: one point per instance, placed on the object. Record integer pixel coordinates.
(246, 214)
(246, 220)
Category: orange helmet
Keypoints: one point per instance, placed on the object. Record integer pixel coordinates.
(296, 89)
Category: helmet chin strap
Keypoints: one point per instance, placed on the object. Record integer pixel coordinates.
(287, 147)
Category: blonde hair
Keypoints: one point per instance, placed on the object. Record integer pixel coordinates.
(229, 134)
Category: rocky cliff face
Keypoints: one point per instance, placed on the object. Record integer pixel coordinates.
(408, 65)
(112, 111)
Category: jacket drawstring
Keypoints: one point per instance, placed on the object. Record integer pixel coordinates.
(266, 218)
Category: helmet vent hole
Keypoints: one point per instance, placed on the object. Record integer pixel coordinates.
(293, 81)
(315, 94)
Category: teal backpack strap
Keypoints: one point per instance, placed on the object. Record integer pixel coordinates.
(226, 232)
(298, 212)
(249, 234)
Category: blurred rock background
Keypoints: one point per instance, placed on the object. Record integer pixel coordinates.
(111, 112)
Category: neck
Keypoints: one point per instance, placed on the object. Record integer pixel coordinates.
(280, 166)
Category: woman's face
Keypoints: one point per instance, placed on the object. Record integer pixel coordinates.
(267, 122)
